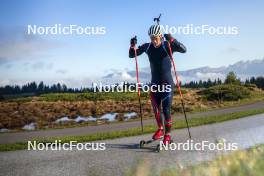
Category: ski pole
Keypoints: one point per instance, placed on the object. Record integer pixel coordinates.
(179, 90)
(139, 99)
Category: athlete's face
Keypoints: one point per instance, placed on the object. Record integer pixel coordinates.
(156, 41)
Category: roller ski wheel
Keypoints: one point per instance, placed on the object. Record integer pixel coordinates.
(158, 147)
(142, 143)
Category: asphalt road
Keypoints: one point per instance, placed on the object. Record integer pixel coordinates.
(25, 136)
(123, 154)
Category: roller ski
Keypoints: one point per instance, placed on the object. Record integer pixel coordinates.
(159, 135)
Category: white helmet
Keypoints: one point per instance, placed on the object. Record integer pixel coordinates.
(155, 30)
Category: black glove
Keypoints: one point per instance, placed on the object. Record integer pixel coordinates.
(168, 37)
(133, 41)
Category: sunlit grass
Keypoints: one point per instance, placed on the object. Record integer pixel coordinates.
(242, 163)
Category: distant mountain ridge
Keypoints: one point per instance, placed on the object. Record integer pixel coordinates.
(243, 70)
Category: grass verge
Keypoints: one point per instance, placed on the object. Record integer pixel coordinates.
(134, 131)
(243, 163)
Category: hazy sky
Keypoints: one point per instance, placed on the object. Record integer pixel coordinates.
(77, 59)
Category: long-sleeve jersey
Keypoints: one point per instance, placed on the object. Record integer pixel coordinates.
(159, 58)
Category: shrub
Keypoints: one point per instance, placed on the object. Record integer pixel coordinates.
(226, 92)
(251, 86)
